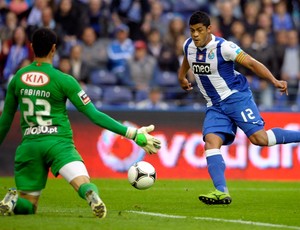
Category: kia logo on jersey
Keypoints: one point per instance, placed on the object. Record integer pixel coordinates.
(35, 78)
(201, 68)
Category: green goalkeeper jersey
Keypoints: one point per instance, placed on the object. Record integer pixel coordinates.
(41, 91)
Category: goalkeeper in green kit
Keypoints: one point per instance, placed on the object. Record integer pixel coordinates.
(41, 92)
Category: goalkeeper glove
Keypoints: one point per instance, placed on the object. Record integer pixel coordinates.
(141, 137)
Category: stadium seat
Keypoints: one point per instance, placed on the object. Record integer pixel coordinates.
(117, 95)
(102, 77)
(94, 92)
(167, 79)
(141, 95)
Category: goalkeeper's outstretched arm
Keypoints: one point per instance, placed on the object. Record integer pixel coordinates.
(141, 136)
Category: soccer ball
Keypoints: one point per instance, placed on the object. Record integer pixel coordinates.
(141, 175)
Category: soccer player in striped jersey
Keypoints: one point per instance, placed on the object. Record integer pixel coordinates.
(229, 100)
(41, 92)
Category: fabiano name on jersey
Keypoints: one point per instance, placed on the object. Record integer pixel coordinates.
(35, 92)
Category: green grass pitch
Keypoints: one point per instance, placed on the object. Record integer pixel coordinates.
(169, 204)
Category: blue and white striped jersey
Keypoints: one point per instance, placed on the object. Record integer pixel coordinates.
(213, 68)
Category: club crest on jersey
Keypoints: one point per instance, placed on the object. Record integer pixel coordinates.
(211, 54)
(35, 78)
(201, 68)
(200, 57)
(84, 97)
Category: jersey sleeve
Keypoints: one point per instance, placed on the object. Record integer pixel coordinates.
(103, 120)
(83, 103)
(75, 93)
(9, 110)
(230, 50)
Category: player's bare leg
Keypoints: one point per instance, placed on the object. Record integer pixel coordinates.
(76, 174)
(90, 192)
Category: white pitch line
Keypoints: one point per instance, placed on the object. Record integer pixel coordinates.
(266, 189)
(216, 219)
(248, 223)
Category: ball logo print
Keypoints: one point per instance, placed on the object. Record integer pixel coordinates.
(142, 175)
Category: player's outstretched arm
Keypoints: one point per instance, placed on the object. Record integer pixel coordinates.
(261, 70)
(141, 136)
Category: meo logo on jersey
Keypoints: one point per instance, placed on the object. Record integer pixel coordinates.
(201, 68)
(84, 97)
(35, 78)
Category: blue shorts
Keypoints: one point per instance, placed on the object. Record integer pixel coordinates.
(238, 110)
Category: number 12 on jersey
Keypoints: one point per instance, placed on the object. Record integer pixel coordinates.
(248, 113)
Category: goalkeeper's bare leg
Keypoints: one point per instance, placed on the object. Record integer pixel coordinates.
(89, 192)
(76, 174)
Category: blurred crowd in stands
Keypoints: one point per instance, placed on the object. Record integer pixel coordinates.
(126, 53)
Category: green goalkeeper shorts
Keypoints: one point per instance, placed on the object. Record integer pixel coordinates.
(34, 159)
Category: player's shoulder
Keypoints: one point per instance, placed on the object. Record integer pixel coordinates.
(220, 41)
(188, 41)
(18, 74)
(23, 69)
(188, 44)
(64, 77)
(38, 76)
(226, 43)
(59, 73)
(229, 46)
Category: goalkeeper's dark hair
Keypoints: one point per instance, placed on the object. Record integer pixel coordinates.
(42, 41)
(200, 17)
